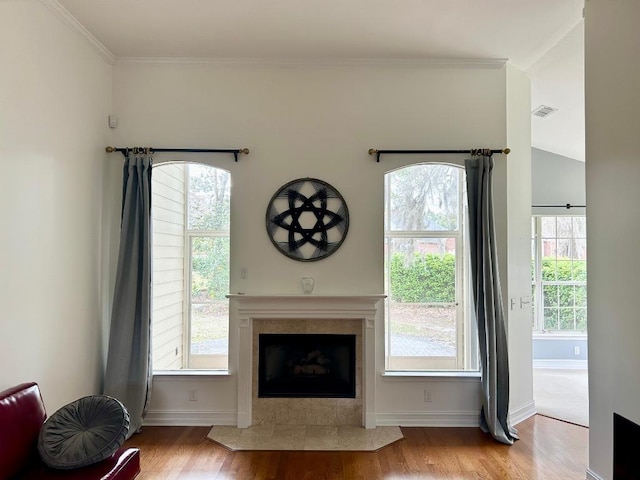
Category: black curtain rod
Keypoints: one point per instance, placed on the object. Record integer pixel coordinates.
(566, 205)
(377, 153)
(234, 151)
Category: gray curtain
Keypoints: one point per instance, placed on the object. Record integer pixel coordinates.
(128, 374)
(492, 332)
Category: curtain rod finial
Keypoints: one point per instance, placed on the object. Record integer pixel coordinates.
(110, 149)
(506, 151)
(372, 151)
(244, 151)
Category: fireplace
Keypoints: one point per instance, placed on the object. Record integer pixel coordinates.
(306, 366)
(625, 448)
(355, 315)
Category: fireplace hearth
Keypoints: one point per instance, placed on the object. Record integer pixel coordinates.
(306, 366)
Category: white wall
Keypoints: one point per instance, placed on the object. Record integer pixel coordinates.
(518, 243)
(319, 122)
(612, 176)
(557, 180)
(55, 93)
(557, 80)
(59, 190)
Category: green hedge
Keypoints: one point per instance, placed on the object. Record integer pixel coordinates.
(428, 278)
(564, 295)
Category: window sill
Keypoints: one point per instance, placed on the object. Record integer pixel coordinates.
(435, 376)
(548, 335)
(189, 374)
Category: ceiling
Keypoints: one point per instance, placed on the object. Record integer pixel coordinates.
(542, 37)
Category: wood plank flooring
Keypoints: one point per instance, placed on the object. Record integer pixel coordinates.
(548, 449)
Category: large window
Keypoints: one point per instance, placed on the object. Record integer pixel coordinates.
(559, 250)
(191, 219)
(427, 327)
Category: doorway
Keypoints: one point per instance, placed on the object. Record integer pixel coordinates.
(559, 291)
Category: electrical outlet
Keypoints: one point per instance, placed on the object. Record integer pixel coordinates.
(427, 396)
(193, 395)
(576, 350)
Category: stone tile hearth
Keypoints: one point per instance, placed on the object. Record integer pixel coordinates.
(305, 437)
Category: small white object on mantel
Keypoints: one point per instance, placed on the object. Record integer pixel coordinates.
(307, 284)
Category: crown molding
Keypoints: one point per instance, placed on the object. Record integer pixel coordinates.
(488, 63)
(549, 45)
(75, 26)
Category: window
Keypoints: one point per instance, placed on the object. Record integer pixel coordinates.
(191, 220)
(559, 250)
(427, 325)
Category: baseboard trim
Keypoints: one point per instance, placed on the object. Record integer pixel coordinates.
(522, 413)
(188, 418)
(561, 364)
(174, 418)
(408, 419)
(591, 475)
(429, 419)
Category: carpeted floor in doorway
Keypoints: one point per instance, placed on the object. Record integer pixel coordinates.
(562, 394)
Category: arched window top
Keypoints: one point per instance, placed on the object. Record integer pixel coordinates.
(424, 197)
(209, 190)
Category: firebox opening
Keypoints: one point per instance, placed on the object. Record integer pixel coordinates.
(306, 365)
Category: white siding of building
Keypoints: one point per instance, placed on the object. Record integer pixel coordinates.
(168, 266)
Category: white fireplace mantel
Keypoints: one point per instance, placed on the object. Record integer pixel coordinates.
(315, 307)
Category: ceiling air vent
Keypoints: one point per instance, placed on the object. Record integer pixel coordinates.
(544, 111)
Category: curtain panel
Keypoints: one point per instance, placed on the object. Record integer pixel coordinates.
(489, 311)
(128, 373)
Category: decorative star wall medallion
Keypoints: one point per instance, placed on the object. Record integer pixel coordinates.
(307, 219)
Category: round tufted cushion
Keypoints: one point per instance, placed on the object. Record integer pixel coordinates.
(83, 432)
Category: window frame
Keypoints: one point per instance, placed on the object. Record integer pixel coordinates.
(199, 361)
(466, 350)
(196, 364)
(538, 283)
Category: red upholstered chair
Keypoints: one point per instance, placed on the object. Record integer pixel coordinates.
(22, 415)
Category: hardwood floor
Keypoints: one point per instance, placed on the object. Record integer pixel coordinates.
(548, 449)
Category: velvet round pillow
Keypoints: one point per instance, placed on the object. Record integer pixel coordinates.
(83, 432)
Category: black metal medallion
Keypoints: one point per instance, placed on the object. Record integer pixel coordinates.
(307, 219)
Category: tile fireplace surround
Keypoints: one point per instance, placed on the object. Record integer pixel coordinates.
(350, 314)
